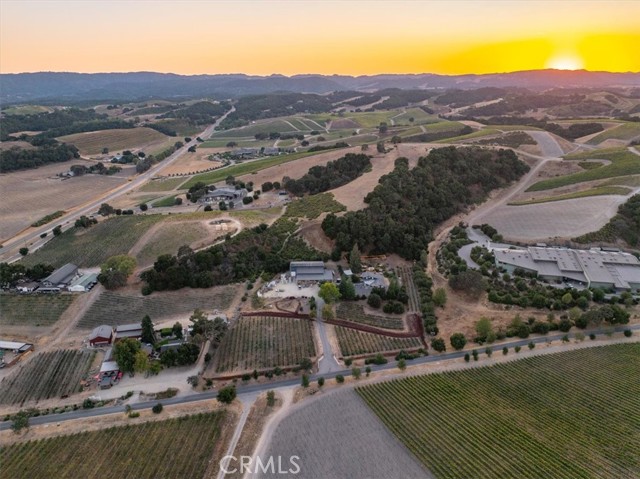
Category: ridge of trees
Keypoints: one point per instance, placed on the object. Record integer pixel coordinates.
(407, 204)
(334, 174)
(262, 249)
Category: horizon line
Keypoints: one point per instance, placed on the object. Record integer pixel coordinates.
(269, 75)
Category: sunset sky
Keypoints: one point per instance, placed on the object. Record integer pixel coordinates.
(343, 37)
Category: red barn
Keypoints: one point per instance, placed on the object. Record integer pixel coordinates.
(101, 336)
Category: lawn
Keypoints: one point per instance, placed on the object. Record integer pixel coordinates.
(93, 142)
(597, 191)
(33, 309)
(623, 163)
(93, 246)
(626, 131)
(164, 184)
(313, 206)
(243, 168)
(568, 415)
(165, 202)
(181, 447)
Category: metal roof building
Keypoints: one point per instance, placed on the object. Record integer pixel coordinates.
(310, 271)
(593, 268)
(62, 275)
(83, 283)
(101, 335)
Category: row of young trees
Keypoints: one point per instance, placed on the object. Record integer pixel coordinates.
(334, 174)
(408, 203)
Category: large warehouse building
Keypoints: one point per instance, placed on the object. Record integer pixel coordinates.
(592, 268)
(309, 271)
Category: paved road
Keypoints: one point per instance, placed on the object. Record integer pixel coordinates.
(251, 390)
(32, 237)
(328, 362)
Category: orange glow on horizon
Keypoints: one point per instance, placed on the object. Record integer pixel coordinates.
(325, 37)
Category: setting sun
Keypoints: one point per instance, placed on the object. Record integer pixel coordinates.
(565, 62)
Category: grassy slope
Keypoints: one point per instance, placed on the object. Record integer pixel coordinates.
(623, 163)
(597, 191)
(626, 131)
(244, 168)
(169, 238)
(547, 416)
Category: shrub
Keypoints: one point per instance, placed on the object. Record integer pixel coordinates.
(88, 404)
(531, 345)
(367, 370)
(320, 381)
(374, 300)
(339, 378)
(627, 333)
(157, 409)
(348, 361)
(402, 364)
(356, 373)
(458, 341)
(592, 336)
(134, 415)
(467, 357)
(488, 352)
(517, 349)
(505, 350)
(475, 355)
(227, 394)
(438, 344)
(305, 381)
(208, 208)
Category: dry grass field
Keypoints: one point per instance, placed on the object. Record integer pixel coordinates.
(336, 435)
(558, 219)
(191, 163)
(146, 139)
(29, 195)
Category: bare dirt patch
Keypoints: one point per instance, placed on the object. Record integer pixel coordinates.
(313, 234)
(31, 194)
(192, 163)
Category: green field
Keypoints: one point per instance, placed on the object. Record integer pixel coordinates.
(471, 136)
(626, 131)
(33, 309)
(568, 415)
(113, 307)
(419, 117)
(597, 191)
(173, 448)
(165, 202)
(116, 141)
(165, 184)
(93, 246)
(313, 206)
(244, 168)
(623, 163)
(169, 238)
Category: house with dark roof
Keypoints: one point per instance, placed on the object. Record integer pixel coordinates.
(61, 277)
(128, 331)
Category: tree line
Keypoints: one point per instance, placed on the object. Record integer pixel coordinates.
(262, 249)
(408, 203)
(334, 174)
(19, 159)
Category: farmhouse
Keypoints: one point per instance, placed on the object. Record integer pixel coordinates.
(245, 152)
(128, 331)
(270, 151)
(29, 287)
(224, 194)
(594, 268)
(61, 277)
(101, 336)
(309, 271)
(83, 283)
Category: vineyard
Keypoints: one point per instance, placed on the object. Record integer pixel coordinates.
(48, 375)
(568, 415)
(93, 246)
(261, 342)
(353, 342)
(406, 276)
(181, 447)
(33, 310)
(169, 238)
(351, 311)
(114, 308)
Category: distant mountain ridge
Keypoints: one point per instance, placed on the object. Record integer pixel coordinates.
(28, 87)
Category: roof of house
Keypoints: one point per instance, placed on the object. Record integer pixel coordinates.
(129, 327)
(109, 366)
(85, 280)
(103, 331)
(62, 274)
(129, 334)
